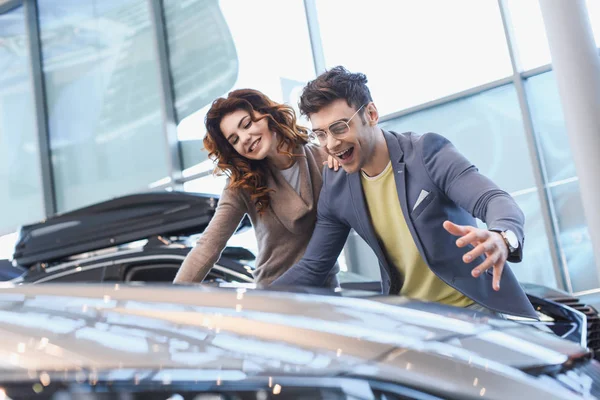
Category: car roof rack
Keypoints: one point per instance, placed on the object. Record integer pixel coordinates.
(113, 222)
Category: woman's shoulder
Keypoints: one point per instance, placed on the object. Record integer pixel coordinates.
(237, 196)
(316, 150)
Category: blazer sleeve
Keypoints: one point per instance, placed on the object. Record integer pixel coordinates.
(325, 245)
(199, 261)
(462, 183)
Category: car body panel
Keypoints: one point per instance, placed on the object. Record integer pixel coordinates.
(107, 327)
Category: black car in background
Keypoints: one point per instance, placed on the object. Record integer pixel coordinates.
(145, 237)
(137, 238)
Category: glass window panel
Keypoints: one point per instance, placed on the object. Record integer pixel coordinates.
(549, 125)
(270, 52)
(536, 266)
(20, 182)
(574, 236)
(103, 98)
(415, 51)
(530, 33)
(487, 128)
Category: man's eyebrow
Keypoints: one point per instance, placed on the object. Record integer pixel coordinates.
(331, 123)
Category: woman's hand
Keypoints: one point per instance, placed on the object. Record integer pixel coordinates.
(332, 163)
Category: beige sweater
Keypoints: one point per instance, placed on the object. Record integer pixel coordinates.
(282, 232)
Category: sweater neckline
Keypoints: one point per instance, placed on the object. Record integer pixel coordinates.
(289, 206)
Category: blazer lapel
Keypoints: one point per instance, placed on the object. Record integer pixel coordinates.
(397, 158)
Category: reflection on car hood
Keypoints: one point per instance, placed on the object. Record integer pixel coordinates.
(108, 327)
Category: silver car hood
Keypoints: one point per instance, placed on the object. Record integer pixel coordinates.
(116, 327)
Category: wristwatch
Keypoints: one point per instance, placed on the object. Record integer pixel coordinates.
(511, 240)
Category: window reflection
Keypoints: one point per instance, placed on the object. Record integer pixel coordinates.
(264, 349)
(20, 185)
(116, 341)
(103, 99)
(47, 322)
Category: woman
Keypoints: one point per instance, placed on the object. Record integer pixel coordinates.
(274, 177)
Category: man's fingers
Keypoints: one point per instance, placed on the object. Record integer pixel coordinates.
(482, 248)
(484, 266)
(473, 237)
(457, 230)
(498, 268)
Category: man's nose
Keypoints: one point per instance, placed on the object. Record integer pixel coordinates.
(332, 141)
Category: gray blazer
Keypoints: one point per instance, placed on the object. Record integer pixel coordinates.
(456, 192)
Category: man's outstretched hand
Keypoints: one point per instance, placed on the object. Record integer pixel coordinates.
(484, 242)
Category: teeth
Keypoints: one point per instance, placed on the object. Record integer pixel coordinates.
(253, 146)
(342, 153)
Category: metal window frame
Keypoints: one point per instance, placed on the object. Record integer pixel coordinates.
(447, 99)
(167, 95)
(41, 116)
(10, 5)
(314, 31)
(36, 79)
(537, 160)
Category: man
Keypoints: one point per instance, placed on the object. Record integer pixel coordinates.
(413, 199)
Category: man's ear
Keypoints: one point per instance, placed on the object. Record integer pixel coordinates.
(372, 114)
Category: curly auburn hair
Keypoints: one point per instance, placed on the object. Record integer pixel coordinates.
(246, 174)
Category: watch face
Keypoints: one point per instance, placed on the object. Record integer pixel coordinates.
(512, 239)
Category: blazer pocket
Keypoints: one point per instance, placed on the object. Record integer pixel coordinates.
(422, 205)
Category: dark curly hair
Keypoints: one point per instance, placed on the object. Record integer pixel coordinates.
(246, 174)
(336, 83)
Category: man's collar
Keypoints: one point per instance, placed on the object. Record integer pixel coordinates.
(393, 145)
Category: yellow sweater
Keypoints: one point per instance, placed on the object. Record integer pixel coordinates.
(398, 244)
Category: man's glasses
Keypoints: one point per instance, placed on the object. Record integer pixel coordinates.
(335, 129)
